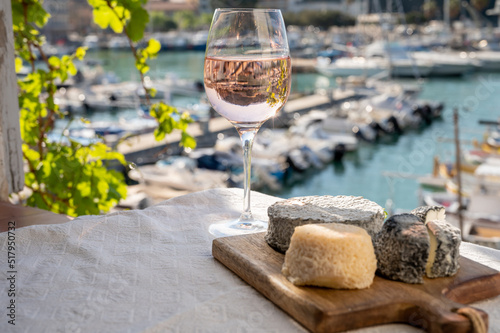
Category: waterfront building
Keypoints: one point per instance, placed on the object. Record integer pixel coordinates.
(72, 16)
(171, 6)
(353, 8)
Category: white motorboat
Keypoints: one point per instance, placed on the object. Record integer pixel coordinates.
(227, 156)
(493, 139)
(118, 42)
(483, 211)
(488, 60)
(447, 63)
(361, 66)
(355, 66)
(179, 174)
(447, 200)
(91, 42)
(406, 67)
(399, 61)
(394, 111)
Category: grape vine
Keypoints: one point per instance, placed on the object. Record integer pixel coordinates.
(62, 175)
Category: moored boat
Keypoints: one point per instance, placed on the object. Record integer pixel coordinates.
(447, 63)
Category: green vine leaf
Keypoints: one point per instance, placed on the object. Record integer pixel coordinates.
(153, 47)
(109, 14)
(188, 141)
(80, 53)
(19, 64)
(138, 20)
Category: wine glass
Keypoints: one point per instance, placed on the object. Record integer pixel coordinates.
(247, 77)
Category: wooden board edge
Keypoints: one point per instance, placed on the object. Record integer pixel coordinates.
(476, 289)
(259, 282)
(413, 313)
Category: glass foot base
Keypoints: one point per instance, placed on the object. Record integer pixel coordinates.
(237, 227)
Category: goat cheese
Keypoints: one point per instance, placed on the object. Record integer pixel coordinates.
(402, 248)
(444, 250)
(285, 215)
(428, 213)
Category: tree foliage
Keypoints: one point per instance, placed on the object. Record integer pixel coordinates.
(204, 20)
(321, 19)
(415, 17)
(233, 3)
(479, 5)
(162, 22)
(185, 19)
(189, 20)
(455, 6)
(63, 175)
(430, 9)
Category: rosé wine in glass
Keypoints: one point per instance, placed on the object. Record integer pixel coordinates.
(247, 91)
(247, 76)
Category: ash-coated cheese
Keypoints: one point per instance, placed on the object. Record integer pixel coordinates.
(430, 213)
(285, 215)
(330, 255)
(402, 248)
(444, 250)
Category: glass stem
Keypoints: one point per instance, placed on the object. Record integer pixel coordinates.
(247, 137)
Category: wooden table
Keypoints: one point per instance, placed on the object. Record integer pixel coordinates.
(25, 216)
(151, 270)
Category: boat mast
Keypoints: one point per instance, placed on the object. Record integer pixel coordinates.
(446, 13)
(458, 166)
(412, 59)
(385, 37)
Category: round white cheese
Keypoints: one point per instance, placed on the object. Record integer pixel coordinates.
(285, 215)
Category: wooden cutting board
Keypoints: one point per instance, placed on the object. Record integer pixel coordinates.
(430, 306)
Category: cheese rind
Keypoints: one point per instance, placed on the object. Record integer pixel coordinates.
(402, 248)
(285, 215)
(445, 242)
(430, 213)
(330, 255)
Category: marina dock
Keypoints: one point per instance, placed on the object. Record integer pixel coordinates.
(144, 149)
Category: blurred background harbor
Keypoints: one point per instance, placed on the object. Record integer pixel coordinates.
(374, 90)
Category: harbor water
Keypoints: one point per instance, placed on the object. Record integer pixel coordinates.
(382, 172)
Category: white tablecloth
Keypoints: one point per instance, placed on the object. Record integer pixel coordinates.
(150, 271)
